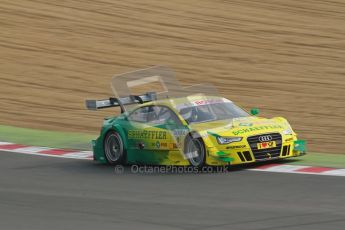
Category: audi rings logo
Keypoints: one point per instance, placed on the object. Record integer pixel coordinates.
(265, 138)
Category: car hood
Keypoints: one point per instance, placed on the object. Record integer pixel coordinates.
(244, 126)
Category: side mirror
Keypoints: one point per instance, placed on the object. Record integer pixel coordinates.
(254, 111)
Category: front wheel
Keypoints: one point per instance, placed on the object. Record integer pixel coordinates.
(195, 151)
(113, 148)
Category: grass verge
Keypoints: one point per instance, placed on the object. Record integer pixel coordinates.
(83, 142)
(319, 159)
(46, 138)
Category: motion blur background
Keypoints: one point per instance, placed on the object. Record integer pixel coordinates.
(285, 57)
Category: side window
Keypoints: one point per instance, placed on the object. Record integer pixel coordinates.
(161, 115)
(140, 115)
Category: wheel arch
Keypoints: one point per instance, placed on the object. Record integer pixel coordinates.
(117, 128)
(195, 135)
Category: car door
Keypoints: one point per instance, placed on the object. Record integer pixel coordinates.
(152, 135)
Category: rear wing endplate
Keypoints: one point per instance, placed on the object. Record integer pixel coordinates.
(120, 102)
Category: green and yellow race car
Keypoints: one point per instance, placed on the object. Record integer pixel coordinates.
(193, 130)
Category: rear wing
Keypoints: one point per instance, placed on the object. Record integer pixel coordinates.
(120, 102)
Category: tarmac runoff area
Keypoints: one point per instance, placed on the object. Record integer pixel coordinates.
(39, 192)
(46, 188)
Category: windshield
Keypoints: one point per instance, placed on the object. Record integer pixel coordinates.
(212, 112)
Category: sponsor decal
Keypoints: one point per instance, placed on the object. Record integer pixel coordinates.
(208, 101)
(180, 132)
(246, 124)
(236, 147)
(258, 128)
(173, 146)
(265, 138)
(267, 145)
(164, 145)
(202, 102)
(239, 119)
(158, 145)
(147, 134)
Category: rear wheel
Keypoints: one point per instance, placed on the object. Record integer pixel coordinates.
(113, 148)
(195, 151)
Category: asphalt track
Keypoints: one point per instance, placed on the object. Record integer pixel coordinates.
(53, 193)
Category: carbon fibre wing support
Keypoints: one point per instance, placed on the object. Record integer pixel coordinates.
(120, 102)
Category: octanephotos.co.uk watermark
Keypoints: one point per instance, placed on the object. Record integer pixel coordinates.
(170, 169)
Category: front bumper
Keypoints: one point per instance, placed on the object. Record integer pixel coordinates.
(242, 154)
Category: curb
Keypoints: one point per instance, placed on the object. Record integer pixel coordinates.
(45, 151)
(299, 169)
(87, 155)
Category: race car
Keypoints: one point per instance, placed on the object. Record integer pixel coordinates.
(189, 129)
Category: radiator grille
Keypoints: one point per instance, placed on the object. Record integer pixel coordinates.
(264, 154)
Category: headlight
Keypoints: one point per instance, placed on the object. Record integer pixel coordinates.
(288, 131)
(228, 140)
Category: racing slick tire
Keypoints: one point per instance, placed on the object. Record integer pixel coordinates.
(195, 151)
(114, 150)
